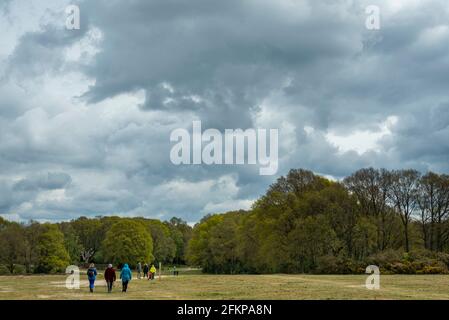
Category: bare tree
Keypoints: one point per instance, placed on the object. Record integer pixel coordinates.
(433, 202)
(371, 187)
(404, 197)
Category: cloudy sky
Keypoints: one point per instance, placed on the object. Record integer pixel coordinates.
(86, 115)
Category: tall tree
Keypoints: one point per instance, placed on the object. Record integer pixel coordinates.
(52, 254)
(433, 202)
(72, 242)
(371, 188)
(164, 248)
(13, 246)
(404, 197)
(32, 233)
(128, 241)
(90, 234)
(181, 233)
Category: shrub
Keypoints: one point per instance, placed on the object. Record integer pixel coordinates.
(329, 265)
(385, 259)
(404, 267)
(20, 269)
(416, 262)
(444, 258)
(436, 269)
(337, 265)
(4, 270)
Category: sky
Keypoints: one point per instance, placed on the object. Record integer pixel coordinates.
(86, 115)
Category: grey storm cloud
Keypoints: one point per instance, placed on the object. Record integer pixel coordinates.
(231, 54)
(51, 181)
(96, 106)
(41, 50)
(4, 5)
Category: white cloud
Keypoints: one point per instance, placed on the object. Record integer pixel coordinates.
(99, 105)
(362, 141)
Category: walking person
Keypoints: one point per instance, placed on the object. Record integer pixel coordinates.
(139, 270)
(146, 269)
(110, 277)
(126, 276)
(152, 272)
(91, 276)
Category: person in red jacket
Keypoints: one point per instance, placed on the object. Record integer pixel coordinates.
(110, 277)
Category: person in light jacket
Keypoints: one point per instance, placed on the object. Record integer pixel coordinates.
(126, 276)
(152, 272)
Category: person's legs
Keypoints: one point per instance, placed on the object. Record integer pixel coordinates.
(124, 286)
(109, 286)
(91, 285)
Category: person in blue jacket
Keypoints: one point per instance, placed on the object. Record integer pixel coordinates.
(126, 277)
(91, 275)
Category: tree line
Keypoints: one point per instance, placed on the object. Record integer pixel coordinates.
(49, 248)
(305, 223)
(398, 220)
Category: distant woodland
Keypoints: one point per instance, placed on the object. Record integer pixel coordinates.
(305, 223)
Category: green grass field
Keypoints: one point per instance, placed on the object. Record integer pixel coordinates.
(198, 286)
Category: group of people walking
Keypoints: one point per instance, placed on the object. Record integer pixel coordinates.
(125, 275)
(148, 273)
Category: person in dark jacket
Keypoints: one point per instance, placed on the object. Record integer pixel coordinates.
(91, 276)
(110, 277)
(126, 276)
(146, 269)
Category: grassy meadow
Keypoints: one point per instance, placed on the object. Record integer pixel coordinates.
(200, 286)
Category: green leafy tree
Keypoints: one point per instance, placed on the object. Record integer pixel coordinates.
(198, 252)
(72, 244)
(32, 233)
(90, 233)
(13, 246)
(312, 238)
(128, 241)
(3, 223)
(52, 254)
(164, 248)
(181, 233)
